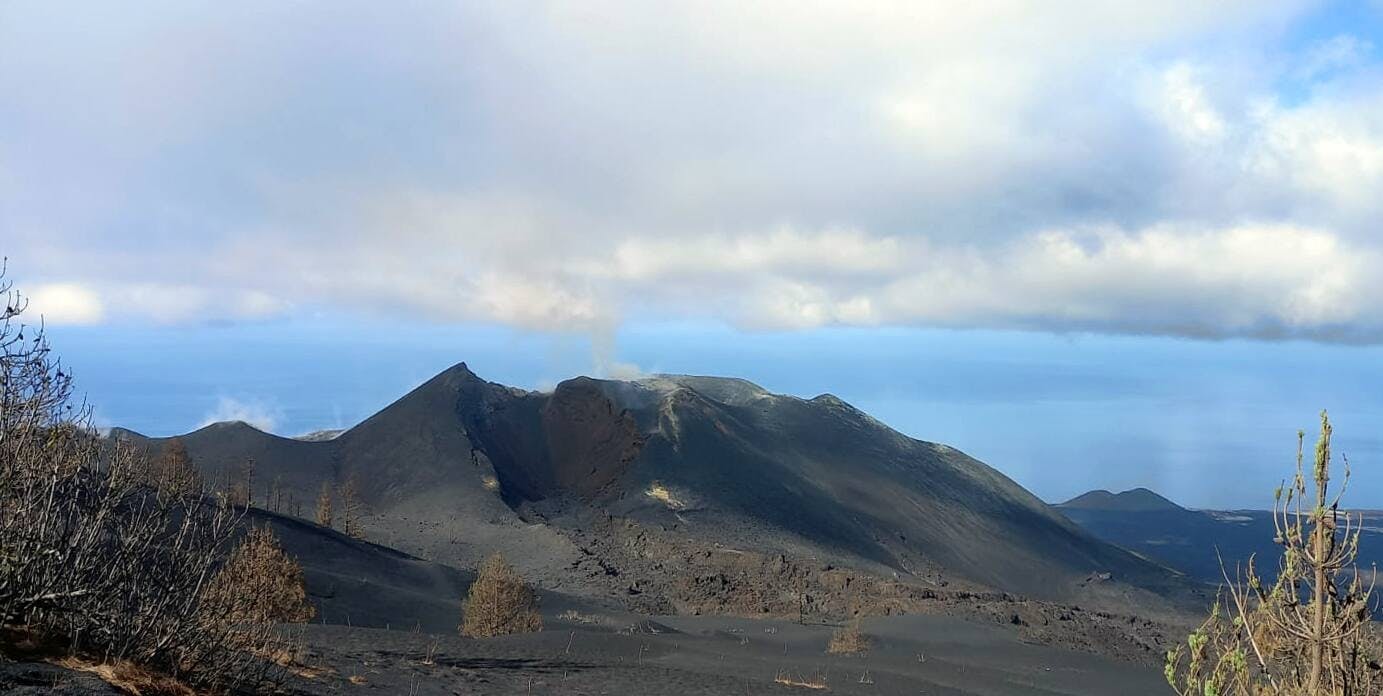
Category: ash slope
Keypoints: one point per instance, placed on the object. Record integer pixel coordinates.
(388, 626)
(461, 465)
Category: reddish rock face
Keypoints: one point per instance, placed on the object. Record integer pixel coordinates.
(574, 441)
(590, 441)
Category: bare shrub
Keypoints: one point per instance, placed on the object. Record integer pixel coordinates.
(172, 473)
(324, 511)
(259, 583)
(350, 508)
(241, 486)
(274, 501)
(92, 556)
(1308, 633)
(848, 640)
(499, 602)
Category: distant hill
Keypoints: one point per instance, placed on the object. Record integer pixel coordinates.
(1135, 500)
(1195, 541)
(460, 466)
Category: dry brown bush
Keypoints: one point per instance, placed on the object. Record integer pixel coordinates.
(499, 602)
(92, 556)
(259, 583)
(848, 640)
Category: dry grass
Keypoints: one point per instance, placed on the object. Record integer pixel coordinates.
(659, 492)
(578, 617)
(292, 657)
(128, 677)
(284, 655)
(356, 679)
(848, 640)
(816, 681)
(308, 671)
(430, 658)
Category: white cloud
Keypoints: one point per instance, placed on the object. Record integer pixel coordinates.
(65, 303)
(830, 252)
(787, 304)
(1266, 280)
(254, 412)
(565, 167)
(535, 303)
(166, 303)
(1186, 108)
(1329, 152)
(1254, 280)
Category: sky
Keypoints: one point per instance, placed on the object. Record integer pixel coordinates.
(1094, 244)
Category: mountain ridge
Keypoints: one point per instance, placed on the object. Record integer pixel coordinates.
(459, 466)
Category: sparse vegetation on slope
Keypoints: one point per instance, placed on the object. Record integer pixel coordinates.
(1309, 632)
(96, 559)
